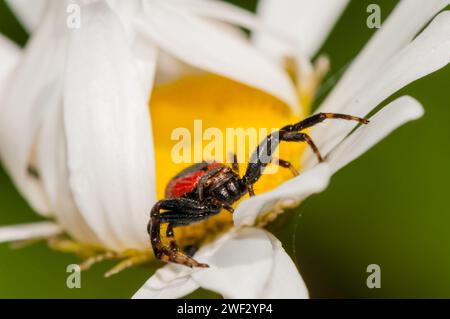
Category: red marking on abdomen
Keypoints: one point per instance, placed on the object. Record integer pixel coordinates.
(177, 187)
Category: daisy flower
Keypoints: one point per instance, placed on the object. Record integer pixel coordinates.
(87, 117)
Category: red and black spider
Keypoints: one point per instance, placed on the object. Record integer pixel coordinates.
(204, 189)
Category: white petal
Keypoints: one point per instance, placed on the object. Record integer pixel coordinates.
(169, 69)
(228, 13)
(110, 148)
(240, 267)
(427, 53)
(145, 56)
(29, 231)
(170, 281)
(406, 20)
(308, 22)
(52, 165)
(395, 114)
(29, 12)
(33, 88)
(249, 263)
(126, 11)
(244, 263)
(144, 53)
(220, 10)
(10, 55)
(224, 15)
(289, 193)
(206, 46)
(285, 281)
(175, 281)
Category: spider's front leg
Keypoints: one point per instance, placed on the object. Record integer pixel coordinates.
(177, 212)
(289, 133)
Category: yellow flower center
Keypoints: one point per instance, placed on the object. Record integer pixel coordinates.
(219, 103)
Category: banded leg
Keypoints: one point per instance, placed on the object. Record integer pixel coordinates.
(178, 212)
(251, 191)
(189, 250)
(320, 117)
(169, 234)
(285, 164)
(294, 136)
(263, 153)
(223, 205)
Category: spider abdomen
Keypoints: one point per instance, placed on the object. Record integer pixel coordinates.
(187, 180)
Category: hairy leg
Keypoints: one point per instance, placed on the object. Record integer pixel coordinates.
(177, 212)
(290, 133)
(285, 164)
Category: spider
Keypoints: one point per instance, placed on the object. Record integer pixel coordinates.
(203, 189)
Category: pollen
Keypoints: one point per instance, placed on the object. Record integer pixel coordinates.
(221, 104)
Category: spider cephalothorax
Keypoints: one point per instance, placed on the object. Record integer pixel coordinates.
(204, 189)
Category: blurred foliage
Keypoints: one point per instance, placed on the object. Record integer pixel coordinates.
(390, 207)
(10, 26)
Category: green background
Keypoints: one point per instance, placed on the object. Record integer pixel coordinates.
(390, 207)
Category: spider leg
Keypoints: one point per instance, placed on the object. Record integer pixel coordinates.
(301, 137)
(290, 133)
(251, 191)
(177, 212)
(285, 164)
(190, 250)
(320, 117)
(203, 179)
(171, 236)
(225, 206)
(234, 163)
